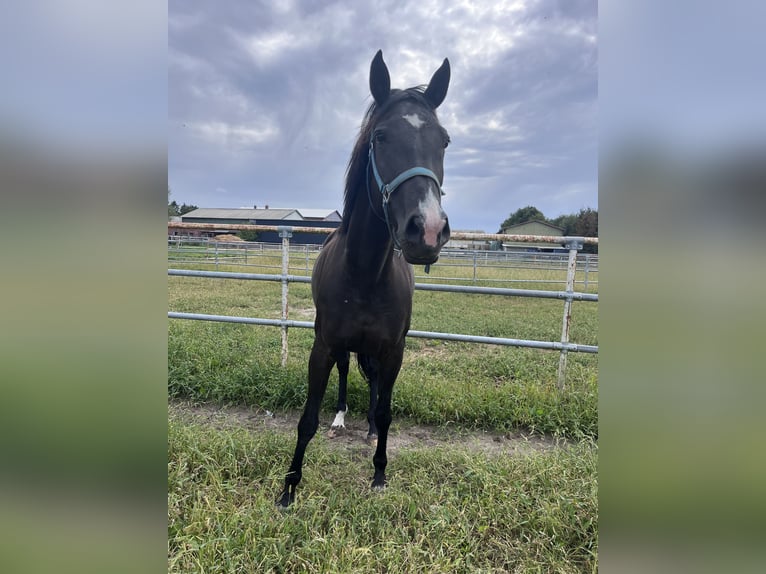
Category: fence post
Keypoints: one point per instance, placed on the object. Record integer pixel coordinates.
(574, 245)
(587, 265)
(474, 267)
(216, 256)
(285, 232)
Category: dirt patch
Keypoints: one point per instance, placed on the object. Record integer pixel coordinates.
(306, 312)
(402, 435)
(228, 238)
(427, 352)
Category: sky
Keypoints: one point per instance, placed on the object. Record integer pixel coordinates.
(265, 100)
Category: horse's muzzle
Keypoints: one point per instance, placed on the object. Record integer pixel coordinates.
(424, 238)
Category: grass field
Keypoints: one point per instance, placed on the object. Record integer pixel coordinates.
(448, 507)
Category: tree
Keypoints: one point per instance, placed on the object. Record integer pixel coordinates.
(566, 222)
(186, 209)
(586, 225)
(174, 209)
(172, 206)
(522, 215)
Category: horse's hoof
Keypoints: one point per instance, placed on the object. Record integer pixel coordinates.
(285, 500)
(372, 440)
(336, 431)
(378, 487)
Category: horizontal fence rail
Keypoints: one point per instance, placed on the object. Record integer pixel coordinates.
(552, 345)
(419, 286)
(573, 244)
(455, 265)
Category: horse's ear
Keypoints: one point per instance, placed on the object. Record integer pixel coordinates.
(437, 87)
(380, 81)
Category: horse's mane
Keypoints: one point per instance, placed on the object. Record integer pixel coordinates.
(356, 171)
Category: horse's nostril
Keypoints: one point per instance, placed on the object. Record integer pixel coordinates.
(414, 226)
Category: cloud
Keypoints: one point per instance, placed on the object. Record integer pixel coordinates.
(272, 96)
(234, 137)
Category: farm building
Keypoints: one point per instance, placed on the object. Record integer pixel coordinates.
(295, 218)
(535, 227)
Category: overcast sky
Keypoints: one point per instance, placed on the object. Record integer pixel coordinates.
(265, 99)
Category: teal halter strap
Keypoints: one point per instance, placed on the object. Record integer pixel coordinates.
(388, 188)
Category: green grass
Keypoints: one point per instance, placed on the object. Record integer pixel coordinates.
(446, 509)
(443, 383)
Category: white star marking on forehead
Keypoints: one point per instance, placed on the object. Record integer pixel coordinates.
(415, 120)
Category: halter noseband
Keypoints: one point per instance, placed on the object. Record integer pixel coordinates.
(388, 188)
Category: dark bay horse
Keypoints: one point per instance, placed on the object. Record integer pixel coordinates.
(362, 282)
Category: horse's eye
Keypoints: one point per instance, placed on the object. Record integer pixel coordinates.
(380, 136)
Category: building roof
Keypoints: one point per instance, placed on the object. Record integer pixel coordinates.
(243, 213)
(322, 214)
(248, 213)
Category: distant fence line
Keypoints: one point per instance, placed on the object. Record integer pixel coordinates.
(574, 244)
(461, 235)
(186, 249)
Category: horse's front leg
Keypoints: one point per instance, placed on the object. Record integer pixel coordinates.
(387, 373)
(320, 365)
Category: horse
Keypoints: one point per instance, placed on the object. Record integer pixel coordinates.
(363, 281)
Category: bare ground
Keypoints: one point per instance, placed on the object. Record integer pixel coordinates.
(402, 435)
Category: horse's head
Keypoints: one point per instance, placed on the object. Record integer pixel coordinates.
(406, 162)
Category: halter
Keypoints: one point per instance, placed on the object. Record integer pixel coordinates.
(388, 188)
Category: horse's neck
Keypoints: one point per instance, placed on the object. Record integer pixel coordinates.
(369, 247)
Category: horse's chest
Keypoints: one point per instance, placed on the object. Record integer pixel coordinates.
(376, 314)
(356, 321)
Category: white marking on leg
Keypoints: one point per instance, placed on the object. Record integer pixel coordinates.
(339, 422)
(415, 120)
(433, 222)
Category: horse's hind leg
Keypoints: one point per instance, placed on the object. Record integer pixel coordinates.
(369, 368)
(320, 365)
(342, 407)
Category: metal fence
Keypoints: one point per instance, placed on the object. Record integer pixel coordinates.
(564, 346)
(454, 265)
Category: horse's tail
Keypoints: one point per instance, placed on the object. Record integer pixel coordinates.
(366, 367)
